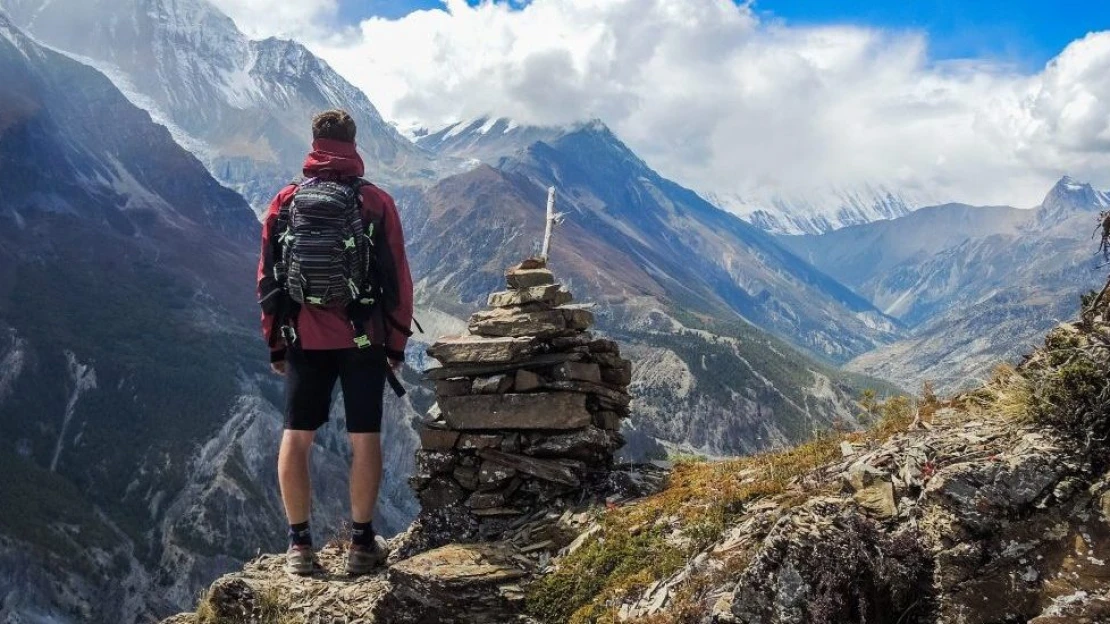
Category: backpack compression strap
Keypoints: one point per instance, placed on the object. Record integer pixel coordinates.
(363, 342)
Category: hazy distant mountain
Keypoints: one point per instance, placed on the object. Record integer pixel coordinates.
(905, 266)
(977, 285)
(241, 106)
(820, 210)
(672, 243)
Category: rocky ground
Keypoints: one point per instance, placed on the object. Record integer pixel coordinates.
(969, 519)
(991, 507)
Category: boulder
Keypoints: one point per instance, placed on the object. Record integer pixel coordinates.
(431, 462)
(528, 278)
(471, 583)
(456, 386)
(493, 476)
(506, 322)
(608, 420)
(564, 343)
(526, 381)
(549, 294)
(497, 512)
(470, 349)
(604, 345)
(589, 444)
(466, 476)
(511, 443)
(577, 318)
(441, 492)
(546, 469)
(621, 376)
(438, 439)
(476, 369)
(862, 475)
(486, 500)
(475, 441)
(577, 371)
(563, 410)
(878, 500)
(232, 599)
(610, 396)
(610, 360)
(497, 384)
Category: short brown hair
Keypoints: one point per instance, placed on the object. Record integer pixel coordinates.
(334, 124)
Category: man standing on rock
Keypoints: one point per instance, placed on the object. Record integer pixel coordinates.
(336, 297)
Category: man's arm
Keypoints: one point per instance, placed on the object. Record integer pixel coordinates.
(268, 287)
(398, 317)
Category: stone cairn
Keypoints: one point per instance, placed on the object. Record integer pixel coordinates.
(529, 407)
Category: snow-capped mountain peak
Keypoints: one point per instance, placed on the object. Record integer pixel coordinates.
(242, 106)
(1069, 197)
(818, 210)
(488, 138)
(1076, 193)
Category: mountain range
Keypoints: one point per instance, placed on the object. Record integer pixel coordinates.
(974, 285)
(678, 278)
(148, 466)
(823, 209)
(239, 105)
(150, 457)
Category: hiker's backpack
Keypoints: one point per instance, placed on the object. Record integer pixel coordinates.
(327, 252)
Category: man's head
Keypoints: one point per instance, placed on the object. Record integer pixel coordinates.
(334, 124)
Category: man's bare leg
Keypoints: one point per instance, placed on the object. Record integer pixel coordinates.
(366, 474)
(293, 461)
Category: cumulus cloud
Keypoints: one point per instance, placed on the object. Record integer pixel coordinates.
(721, 101)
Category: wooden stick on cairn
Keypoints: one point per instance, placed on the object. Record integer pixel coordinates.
(552, 219)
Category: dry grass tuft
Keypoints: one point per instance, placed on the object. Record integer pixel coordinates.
(1006, 394)
(653, 539)
(269, 609)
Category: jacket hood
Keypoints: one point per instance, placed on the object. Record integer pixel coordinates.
(335, 158)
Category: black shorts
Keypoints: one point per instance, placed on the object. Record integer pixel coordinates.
(310, 378)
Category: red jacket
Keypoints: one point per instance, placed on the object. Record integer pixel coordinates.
(329, 328)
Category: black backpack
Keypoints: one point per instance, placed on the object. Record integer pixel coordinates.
(327, 255)
(324, 255)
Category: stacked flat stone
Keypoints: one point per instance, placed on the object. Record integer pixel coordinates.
(529, 404)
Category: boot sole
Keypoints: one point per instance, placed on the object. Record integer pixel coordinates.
(300, 571)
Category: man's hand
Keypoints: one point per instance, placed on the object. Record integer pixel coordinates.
(278, 367)
(396, 365)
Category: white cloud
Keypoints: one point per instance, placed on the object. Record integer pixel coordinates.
(286, 18)
(717, 99)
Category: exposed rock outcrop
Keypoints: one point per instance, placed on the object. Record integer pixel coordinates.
(992, 507)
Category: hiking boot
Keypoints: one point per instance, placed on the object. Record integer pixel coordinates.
(301, 560)
(363, 559)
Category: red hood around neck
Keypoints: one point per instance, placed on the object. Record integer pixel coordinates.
(333, 157)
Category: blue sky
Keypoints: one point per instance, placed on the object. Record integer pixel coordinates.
(1025, 33)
